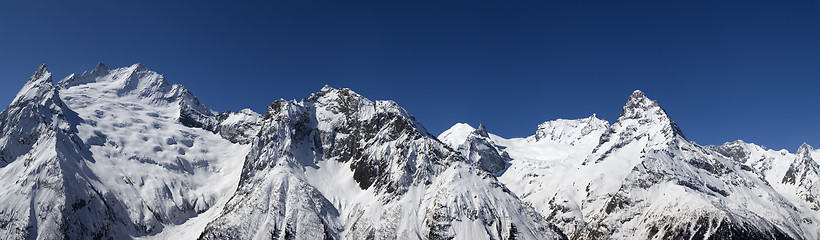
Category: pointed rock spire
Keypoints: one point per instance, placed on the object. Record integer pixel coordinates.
(641, 118)
(639, 105)
(805, 148)
(481, 131)
(100, 68)
(38, 85)
(648, 111)
(803, 164)
(40, 75)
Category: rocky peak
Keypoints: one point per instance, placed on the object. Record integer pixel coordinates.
(648, 112)
(338, 100)
(38, 85)
(804, 174)
(802, 166)
(638, 106)
(637, 100)
(481, 131)
(29, 116)
(337, 97)
(333, 103)
(482, 152)
(383, 145)
(642, 121)
(41, 74)
(804, 150)
(100, 69)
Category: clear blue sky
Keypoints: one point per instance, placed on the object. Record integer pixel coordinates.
(724, 70)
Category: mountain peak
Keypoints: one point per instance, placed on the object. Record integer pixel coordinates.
(100, 68)
(139, 66)
(327, 88)
(638, 105)
(481, 131)
(328, 93)
(641, 108)
(41, 74)
(637, 93)
(641, 118)
(36, 86)
(802, 166)
(804, 149)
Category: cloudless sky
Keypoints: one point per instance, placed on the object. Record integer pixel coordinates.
(724, 70)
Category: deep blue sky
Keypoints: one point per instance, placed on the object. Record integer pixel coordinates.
(724, 70)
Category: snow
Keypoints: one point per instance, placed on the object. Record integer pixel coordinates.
(335, 180)
(456, 135)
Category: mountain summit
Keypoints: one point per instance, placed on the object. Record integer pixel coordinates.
(642, 122)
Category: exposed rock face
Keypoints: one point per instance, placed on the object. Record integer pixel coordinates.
(477, 147)
(804, 175)
(239, 127)
(482, 152)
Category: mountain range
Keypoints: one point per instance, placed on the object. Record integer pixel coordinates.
(123, 154)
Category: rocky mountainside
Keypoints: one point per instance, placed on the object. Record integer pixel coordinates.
(339, 166)
(641, 178)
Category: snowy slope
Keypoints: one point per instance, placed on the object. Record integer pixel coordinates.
(337, 165)
(163, 171)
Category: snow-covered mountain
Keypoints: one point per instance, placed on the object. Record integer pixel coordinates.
(110, 154)
(121, 153)
(640, 178)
